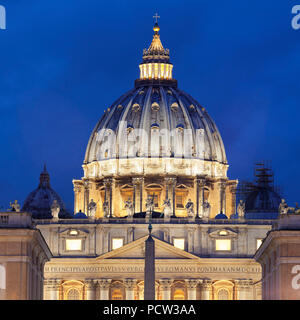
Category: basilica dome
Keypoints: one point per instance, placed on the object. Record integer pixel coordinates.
(39, 201)
(156, 120)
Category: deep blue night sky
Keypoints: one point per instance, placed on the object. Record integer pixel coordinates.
(64, 62)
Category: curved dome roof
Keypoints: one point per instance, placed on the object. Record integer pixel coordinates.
(262, 199)
(40, 200)
(156, 107)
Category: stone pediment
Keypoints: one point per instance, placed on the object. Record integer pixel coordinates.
(223, 232)
(136, 250)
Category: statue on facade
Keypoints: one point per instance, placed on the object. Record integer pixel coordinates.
(206, 209)
(283, 207)
(149, 204)
(92, 208)
(15, 206)
(55, 209)
(167, 209)
(106, 209)
(241, 209)
(129, 207)
(190, 208)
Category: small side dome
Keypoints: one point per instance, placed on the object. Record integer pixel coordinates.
(39, 201)
(80, 215)
(221, 216)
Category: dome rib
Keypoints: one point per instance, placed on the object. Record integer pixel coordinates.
(143, 118)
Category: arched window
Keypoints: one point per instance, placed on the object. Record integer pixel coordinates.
(2, 277)
(223, 294)
(73, 294)
(178, 294)
(117, 294)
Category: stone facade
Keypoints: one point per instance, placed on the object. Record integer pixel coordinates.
(279, 256)
(198, 271)
(23, 253)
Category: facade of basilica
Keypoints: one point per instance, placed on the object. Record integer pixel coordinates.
(155, 156)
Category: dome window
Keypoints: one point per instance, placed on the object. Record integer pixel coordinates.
(174, 107)
(192, 107)
(136, 107)
(129, 128)
(155, 106)
(154, 126)
(120, 106)
(180, 127)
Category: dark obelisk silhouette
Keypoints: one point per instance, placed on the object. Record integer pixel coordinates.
(149, 277)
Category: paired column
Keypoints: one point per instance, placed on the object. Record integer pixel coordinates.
(91, 289)
(244, 287)
(171, 181)
(191, 285)
(138, 185)
(165, 287)
(233, 187)
(200, 183)
(129, 288)
(108, 195)
(206, 289)
(52, 286)
(86, 196)
(104, 285)
(222, 186)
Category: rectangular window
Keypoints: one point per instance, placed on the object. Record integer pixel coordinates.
(179, 243)
(223, 244)
(258, 243)
(117, 243)
(73, 244)
(179, 202)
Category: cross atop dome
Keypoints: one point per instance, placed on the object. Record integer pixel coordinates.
(156, 17)
(156, 59)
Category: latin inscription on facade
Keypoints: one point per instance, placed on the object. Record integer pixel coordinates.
(158, 269)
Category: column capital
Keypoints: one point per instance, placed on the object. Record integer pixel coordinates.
(52, 284)
(90, 284)
(206, 283)
(107, 182)
(137, 180)
(171, 180)
(104, 283)
(129, 283)
(243, 283)
(165, 283)
(200, 180)
(191, 283)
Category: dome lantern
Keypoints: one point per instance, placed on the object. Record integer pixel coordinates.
(156, 64)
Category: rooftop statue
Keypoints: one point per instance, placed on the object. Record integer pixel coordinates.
(241, 209)
(206, 209)
(55, 209)
(190, 208)
(149, 204)
(129, 208)
(92, 208)
(106, 209)
(167, 210)
(284, 208)
(15, 206)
